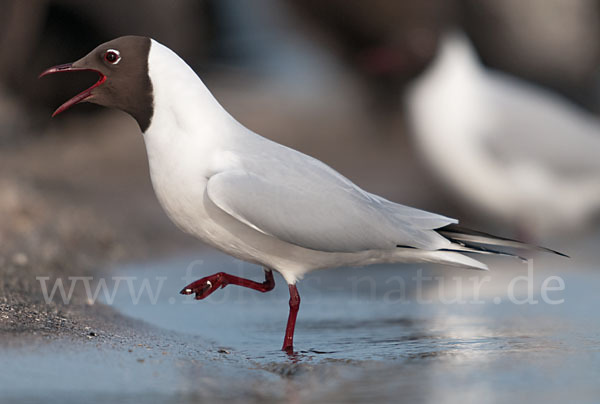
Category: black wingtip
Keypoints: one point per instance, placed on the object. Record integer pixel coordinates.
(554, 251)
(458, 232)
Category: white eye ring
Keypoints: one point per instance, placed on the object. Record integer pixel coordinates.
(113, 51)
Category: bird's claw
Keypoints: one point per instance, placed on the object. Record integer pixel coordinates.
(204, 287)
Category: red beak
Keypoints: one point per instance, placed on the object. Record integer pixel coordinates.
(82, 96)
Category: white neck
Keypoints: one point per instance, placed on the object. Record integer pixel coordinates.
(182, 103)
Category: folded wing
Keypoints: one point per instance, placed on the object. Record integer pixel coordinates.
(315, 207)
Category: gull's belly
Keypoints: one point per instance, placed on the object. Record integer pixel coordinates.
(185, 202)
(182, 200)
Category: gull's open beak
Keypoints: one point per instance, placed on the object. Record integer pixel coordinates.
(82, 96)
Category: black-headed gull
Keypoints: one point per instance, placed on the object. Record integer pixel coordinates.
(513, 150)
(250, 197)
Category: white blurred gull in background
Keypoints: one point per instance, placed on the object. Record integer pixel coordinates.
(520, 154)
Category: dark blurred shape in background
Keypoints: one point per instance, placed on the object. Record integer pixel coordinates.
(551, 42)
(555, 43)
(38, 33)
(386, 42)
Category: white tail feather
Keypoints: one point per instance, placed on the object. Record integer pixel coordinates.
(439, 257)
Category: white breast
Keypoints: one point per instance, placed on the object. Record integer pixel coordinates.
(182, 141)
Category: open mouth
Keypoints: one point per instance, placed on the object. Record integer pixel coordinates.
(82, 96)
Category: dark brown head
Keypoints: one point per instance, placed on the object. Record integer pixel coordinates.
(122, 66)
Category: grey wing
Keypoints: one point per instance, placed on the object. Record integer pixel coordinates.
(324, 212)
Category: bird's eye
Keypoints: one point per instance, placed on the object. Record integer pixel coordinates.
(112, 56)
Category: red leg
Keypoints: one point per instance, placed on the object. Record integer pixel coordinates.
(205, 286)
(288, 341)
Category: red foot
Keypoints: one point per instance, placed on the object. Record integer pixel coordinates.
(205, 286)
(288, 341)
